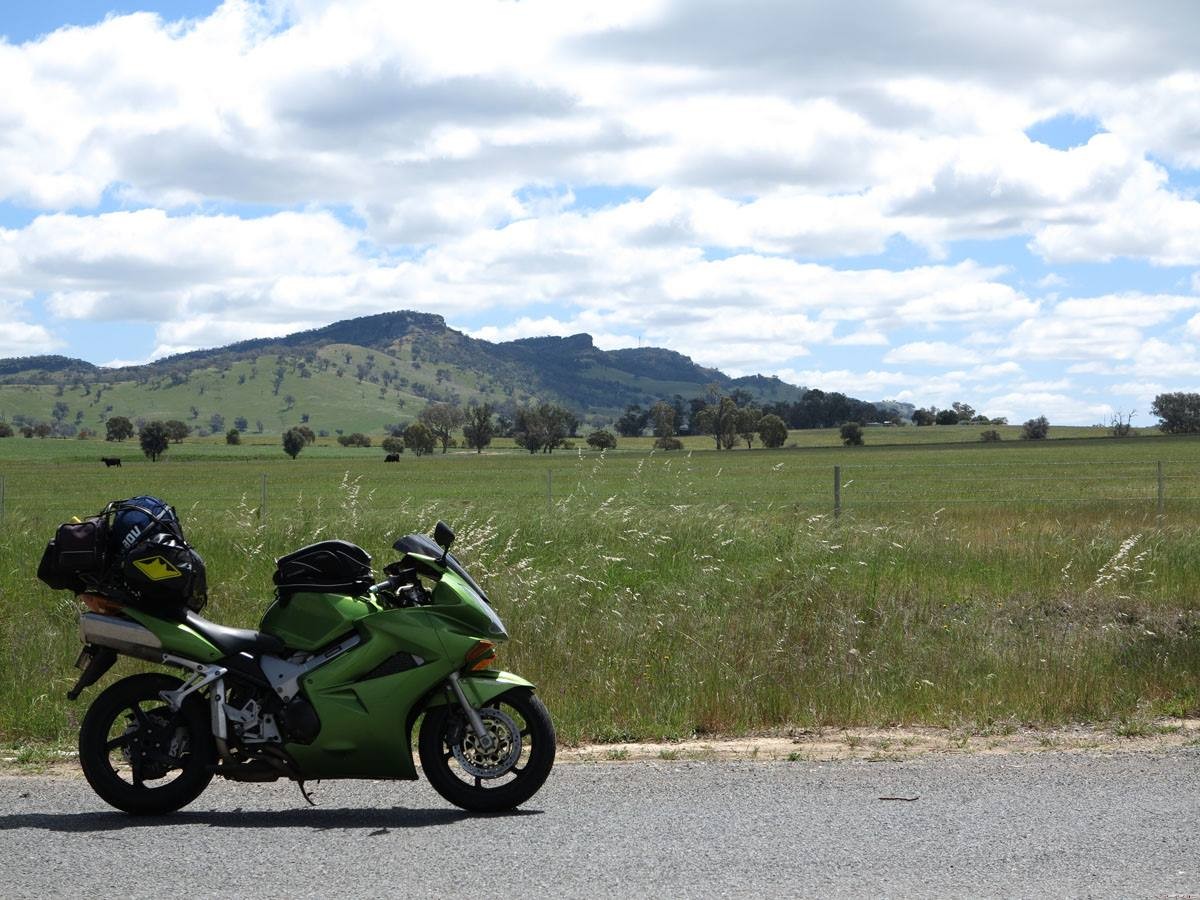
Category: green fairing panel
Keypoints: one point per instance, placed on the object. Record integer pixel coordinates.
(177, 638)
(311, 621)
(352, 743)
(480, 687)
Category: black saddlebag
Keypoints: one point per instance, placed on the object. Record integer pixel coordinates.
(327, 567)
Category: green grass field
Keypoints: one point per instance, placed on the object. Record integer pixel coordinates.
(661, 595)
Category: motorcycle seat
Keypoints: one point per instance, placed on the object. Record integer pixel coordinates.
(234, 640)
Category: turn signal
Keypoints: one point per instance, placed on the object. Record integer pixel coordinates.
(98, 603)
(482, 655)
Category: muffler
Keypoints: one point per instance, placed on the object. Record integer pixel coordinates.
(122, 635)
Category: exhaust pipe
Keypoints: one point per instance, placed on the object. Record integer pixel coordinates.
(121, 635)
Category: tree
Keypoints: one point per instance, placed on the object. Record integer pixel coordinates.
(216, 422)
(633, 421)
(922, 417)
(990, 436)
(419, 439)
(154, 440)
(542, 427)
(478, 429)
(852, 435)
(393, 445)
(357, 439)
(1035, 429)
(442, 420)
(6, 430)
(964, 411)
(746, 424)
(1120, 425)
(118, 428)
(42, 430)
(176, 430)
(307, 434)
(601, 440)
(772, 431)
(946, 417)
(241, 424)
(233, 436)
(1179, 412)
(293, 442)
(719, 419)
(663, 417)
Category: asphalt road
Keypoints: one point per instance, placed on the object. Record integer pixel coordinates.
(1036, 825)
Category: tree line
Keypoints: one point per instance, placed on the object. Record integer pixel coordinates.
(729, 419)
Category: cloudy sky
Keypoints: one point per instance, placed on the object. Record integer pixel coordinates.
(980, 201)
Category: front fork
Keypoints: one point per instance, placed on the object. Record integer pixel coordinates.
(472, 714)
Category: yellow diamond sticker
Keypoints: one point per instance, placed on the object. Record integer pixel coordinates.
(157, 569)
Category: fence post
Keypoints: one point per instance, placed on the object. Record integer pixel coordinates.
(837, 492)
(549, 492)
(262, 502)
(1162, 508)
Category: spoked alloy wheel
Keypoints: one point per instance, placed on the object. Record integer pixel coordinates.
(498, 778)
(141, 756)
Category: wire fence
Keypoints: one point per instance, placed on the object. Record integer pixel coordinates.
(1155, 487)
(1158, 487)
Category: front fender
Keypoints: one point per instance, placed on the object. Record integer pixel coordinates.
(480, 687)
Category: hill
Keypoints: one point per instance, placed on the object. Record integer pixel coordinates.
(358, 374)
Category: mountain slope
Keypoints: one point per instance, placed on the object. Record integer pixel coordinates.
(357, 374)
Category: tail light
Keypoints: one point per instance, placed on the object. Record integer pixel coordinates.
(98, 603)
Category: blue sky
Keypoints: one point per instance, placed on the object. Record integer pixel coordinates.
(900, 201)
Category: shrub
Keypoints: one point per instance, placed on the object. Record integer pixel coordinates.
(5, 430)
(601, 440)
(668, 443)
(852, 435)
(1035, 429)
(233, 436)
(293, 442)
(393, 445)
(357, 439)
(772, 431)
(989, 436)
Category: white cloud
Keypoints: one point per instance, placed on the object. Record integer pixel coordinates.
(24, 339)
(935, 353)
(862, 338)
(772, 145)
(1057, 407)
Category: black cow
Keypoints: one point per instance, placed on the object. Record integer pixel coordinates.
(110, 461)
(392, 457)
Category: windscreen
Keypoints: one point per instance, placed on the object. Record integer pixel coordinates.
(420, 544)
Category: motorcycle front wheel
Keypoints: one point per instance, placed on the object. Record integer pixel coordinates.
(141, 756)
(501, 776)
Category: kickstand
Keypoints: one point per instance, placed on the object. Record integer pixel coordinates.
(305, 794)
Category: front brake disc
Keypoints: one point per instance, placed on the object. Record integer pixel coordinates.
(496, 760)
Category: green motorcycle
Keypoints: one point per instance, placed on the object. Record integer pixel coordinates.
(332, 685)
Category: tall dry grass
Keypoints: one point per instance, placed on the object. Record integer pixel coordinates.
(666, 595)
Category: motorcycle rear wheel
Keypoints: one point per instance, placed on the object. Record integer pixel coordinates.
(139, 755)
(444, 746)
